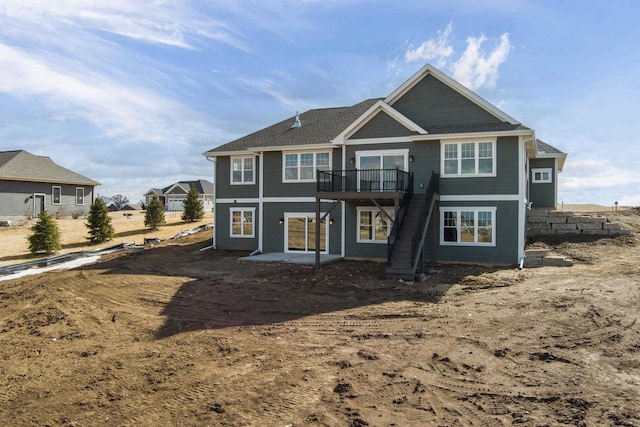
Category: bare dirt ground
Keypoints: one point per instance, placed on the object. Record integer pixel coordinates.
(175, 336)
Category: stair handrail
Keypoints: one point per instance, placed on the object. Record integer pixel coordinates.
(399, 214)
(420, 230)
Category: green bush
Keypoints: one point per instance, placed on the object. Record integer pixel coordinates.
(99, 222)
(154, 215)
(193, 209)
(46, 235)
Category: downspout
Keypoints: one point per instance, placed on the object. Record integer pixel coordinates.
(215, 195)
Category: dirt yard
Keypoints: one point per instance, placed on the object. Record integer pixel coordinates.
(176, 336)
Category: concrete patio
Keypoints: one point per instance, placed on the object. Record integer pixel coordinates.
(292, 258)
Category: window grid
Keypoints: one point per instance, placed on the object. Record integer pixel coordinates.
(242, 222)
(302, 166)
(242, 170)
(374, 226)
(468, 158)
(468, 226)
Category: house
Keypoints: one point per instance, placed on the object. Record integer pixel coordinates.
(173, 195)
(30, 184)
(432, 171)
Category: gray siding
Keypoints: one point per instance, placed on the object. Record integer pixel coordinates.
(273, 239)
(381, 126)
(225, 190)
(16, 199)
(222, 228)
(354, 249)
(431, 103)
(542, 195)
(506, 249)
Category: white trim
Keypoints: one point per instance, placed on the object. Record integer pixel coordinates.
(376, 108)
(53, 197)
(226, 153)
(474, 209)
(472, 96)
(400, 151)
(230, 201)
(522, 203)
(246, 156)
(343, 229)
(261, 202)
(480, 198)
(44, 203)
(476, 142)
(308, 147)
(469, 135)
(373, 209)
(253, 223)
(76, 196)
(298, 154)
(307, 215)
(548, 171)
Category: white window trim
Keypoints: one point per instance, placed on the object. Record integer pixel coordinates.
(373, 209)
(403, 152)
(474, 209)
(459, 142)
(288, 215)
(231, 159)
(298, 153)
(53, 196)
(242, 211)
(541, 171)
(81, 189)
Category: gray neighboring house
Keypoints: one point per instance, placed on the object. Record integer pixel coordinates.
(432, 171)
(30, 184)
(173, 195)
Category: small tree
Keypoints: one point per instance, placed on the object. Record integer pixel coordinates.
(154, 216)
(99, 222)
(46, 235)
(193, 210)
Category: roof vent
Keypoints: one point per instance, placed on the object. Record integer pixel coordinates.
(296, 123)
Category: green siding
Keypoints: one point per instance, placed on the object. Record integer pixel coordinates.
(353, 249)
(542, 195)
(222, 228)
(381, 125)
(506, 249)
(224, 189)
(273, 239)
(430, 103)
(505, 182)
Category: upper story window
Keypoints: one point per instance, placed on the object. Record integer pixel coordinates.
(243, 170)
(56, 195)
(542, 175)
(79, 196)
(469, 158)
(301, 167)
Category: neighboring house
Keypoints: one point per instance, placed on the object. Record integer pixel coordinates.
(172, 197)
(30, 184)
(431, 171)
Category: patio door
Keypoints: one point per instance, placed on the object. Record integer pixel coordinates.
(370, 164)
(300, 233)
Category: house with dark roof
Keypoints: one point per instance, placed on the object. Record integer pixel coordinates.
(433, 171)
(172, 196)
(30, 184)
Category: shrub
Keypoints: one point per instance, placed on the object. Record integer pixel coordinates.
(46, 235)
(99, 222)
(154, 215)
(193, 209)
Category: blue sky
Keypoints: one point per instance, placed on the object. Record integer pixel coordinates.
(132, 93)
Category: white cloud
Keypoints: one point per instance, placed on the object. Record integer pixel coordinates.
(476, 69)
(437, 49)
(584, 174)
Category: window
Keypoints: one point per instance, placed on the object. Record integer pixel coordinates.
(242, 170)
(374, 226)
(79, 196)
(300, 167)
(467, 226)
(56, 195)
(242, 222)
(542, 176)
(468, 158)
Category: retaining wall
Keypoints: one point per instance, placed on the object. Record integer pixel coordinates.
(545, 222)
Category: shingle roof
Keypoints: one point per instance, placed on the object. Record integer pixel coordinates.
(319, 126)
(202, 185)
(20, 165)
(476, 127)
(543, 147)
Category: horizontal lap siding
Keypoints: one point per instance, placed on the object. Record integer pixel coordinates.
(16, 199)
(273, 240)
(224, 189)
(542, 195)
(381, 126)
(431, 103)
(506, 249)
(223, 232)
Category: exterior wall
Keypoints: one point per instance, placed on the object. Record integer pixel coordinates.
(223, 239)
(273, 238)
(381, 126)
(16, 199)
(224, 189)
(430, 103)
(504, 252)
(543, 195)
(353, 248)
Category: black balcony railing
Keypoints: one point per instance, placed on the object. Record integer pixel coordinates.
(359, 180)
